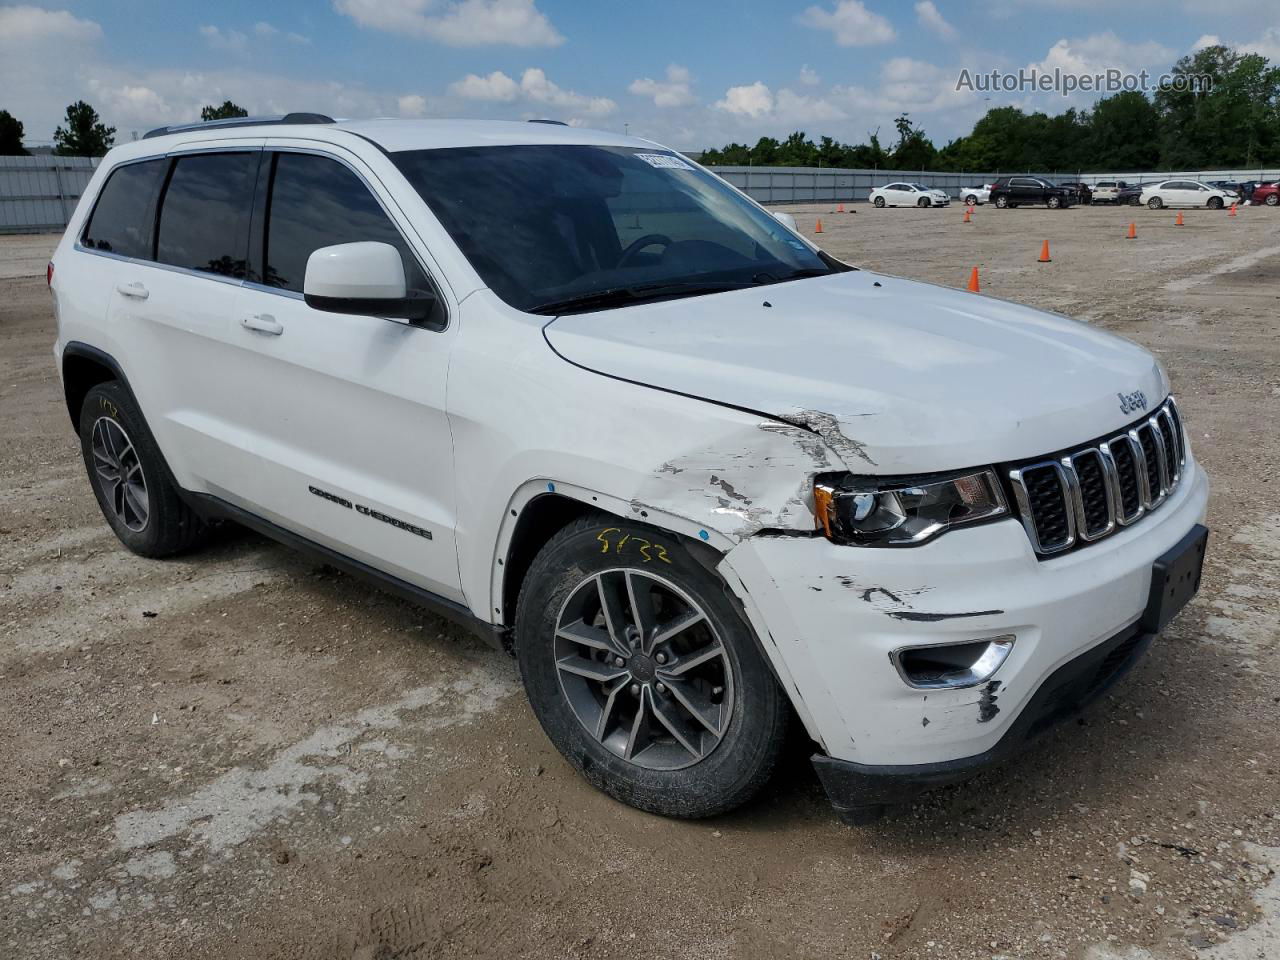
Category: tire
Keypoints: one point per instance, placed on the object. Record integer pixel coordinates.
(708, 769)
(971, 201)
(1272, 199)
(922, 202)
(1155, 203)
(132, 483)
(1215, 203)
(1053, 203)
(879, 201)
(1002, 202)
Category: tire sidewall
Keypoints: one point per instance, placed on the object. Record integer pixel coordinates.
(879, 201)
(1215, 203)
(1002, 202)
(1155, 203)
(169, 525)
(1053, 203)
(732, 771)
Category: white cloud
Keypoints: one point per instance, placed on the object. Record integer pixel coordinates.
(809, 77)
(676, 91)
(267, 31)
(750, 100)
(534, 87)
(458, 23)
(227, 41)
(852, 24)
(412, 105)
(793, 108)
(22, 25)
(931, 18)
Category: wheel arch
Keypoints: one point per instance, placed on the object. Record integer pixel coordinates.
(83, 368)
(540, 508)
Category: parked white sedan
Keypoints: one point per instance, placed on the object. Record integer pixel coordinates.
(972, 196)
(908, 195)
(1186, 193)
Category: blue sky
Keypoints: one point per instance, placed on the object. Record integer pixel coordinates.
(690, 74)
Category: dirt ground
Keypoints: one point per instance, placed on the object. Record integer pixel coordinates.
(243, 754)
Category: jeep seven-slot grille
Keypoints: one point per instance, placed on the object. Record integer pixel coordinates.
(1088, 492)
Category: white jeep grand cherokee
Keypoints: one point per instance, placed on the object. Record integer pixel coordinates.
(575, 391)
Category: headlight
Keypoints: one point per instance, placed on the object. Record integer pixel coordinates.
(903, 512)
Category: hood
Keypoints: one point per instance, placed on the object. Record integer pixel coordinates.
(897, 376)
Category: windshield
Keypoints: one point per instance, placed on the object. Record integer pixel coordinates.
(558, 228)
(921, 187)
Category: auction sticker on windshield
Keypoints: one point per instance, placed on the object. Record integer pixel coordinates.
(663, 160)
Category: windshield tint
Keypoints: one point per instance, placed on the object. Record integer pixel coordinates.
(545, 225)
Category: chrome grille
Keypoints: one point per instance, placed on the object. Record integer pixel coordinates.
(1087, 492)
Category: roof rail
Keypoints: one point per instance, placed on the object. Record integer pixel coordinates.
(288, 118)
(558, 123)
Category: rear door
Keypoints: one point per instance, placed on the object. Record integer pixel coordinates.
(171, 311)
(351, 442)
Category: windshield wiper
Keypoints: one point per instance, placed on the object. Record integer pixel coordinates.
(629, 296)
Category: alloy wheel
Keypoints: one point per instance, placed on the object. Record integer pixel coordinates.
(119, 472)
(644, 669)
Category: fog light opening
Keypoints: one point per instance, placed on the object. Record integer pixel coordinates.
(952, 666)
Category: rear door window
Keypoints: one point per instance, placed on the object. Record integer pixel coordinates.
(204, 215)
(122, 219)
(318, 202)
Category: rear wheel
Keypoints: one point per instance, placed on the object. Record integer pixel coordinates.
(971, 200)
(1215, 203)
(1002, 202)
(879, 201)
(643, 673)
(129, 477)
(1155, 203)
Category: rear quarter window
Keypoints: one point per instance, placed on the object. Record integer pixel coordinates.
(122, 219)
(204, 215)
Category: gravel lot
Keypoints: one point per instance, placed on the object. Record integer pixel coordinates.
(243, 753)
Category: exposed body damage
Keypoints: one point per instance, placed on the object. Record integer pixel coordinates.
(835, 614)
(758, 479)
(828, 428)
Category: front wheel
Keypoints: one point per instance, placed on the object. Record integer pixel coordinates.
(1215, 203)
(1053, 203)
(643, 673)
(879, 201)
(1155, 203)
(922, 202)
(1272, 199)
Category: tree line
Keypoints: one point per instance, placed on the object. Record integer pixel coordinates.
(1234, 124)
(82, 132)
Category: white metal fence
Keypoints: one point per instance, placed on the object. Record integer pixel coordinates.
(39, 194)
(834, 185)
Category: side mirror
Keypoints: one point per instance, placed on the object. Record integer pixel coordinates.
(365, 278)
(786, 219)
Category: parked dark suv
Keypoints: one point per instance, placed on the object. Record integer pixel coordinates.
(1012, 191)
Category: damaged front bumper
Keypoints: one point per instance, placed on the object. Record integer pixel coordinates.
(829, 617)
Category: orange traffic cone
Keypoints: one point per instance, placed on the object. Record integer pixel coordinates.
(973, 281)
(1233, 211)
(840, 208)
(967, 213)
(1178, 222)
(1133, 231)
(1044, 253)
(818, 228)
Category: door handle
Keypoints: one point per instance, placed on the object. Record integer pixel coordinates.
(263, 323)
(135, 291)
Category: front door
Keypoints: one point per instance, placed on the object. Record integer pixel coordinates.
(347, 413)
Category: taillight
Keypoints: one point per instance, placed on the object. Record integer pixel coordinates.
(48, 274)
